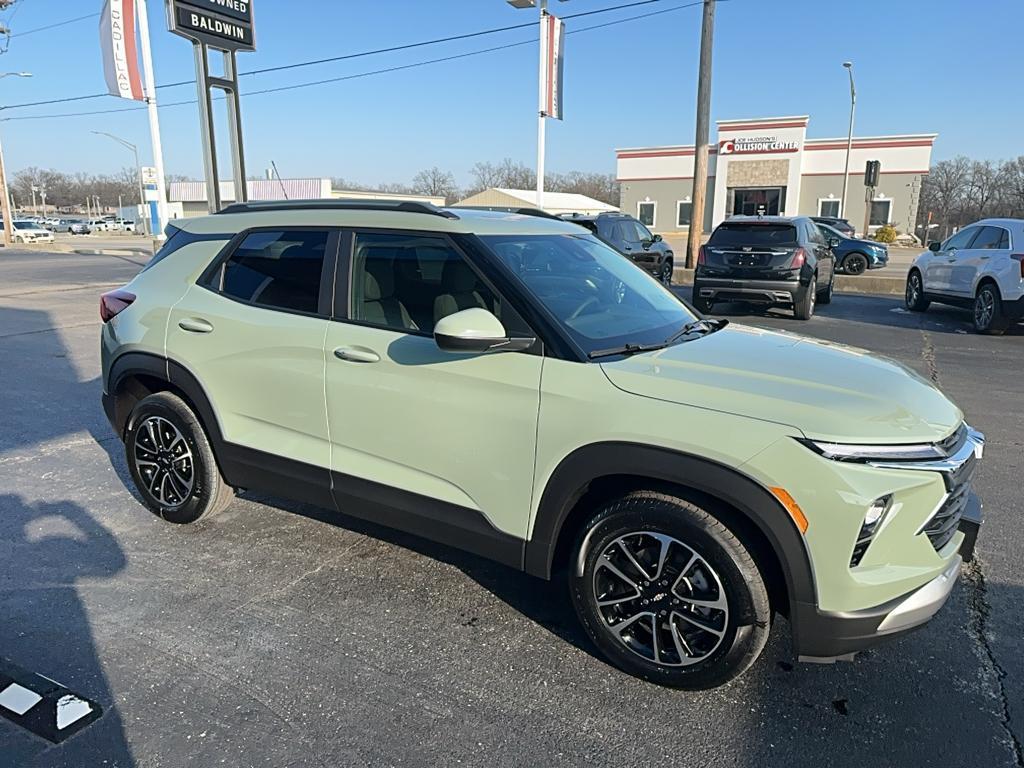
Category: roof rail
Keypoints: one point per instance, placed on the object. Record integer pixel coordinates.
(404, 206)
(522, 211)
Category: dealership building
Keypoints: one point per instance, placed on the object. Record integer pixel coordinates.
(768, 165)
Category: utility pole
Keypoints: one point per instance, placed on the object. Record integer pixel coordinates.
(700, 159)
(8, 218)
(35, 203)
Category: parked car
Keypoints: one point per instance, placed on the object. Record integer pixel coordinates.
(631, 238)
(79, 228)
(25, 231)
(981, 267)
(773, 260)
(99, 225)
(124, 225)
(853, 255)
(684, 477)
(843, 225)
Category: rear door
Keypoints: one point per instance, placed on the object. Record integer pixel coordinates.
(751, 250)
(822, 252)
(990, 243)
(938, 271)
(252, 332)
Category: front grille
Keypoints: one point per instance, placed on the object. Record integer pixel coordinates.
(944, 523)
(952, 444)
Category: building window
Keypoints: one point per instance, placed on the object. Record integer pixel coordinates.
(880, 212)
(827, 207)
(684, 213)
(646, 212)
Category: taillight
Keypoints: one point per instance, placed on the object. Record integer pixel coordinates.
(113, 303)
(701, 255)
(799, 258)
(1019, 258)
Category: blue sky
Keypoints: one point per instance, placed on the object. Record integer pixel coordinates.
(921, 66)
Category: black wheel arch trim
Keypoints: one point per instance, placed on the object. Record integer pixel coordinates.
(581, 468)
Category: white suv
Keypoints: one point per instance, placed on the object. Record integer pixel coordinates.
(981, 267)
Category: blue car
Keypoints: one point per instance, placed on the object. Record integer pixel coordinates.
(853, 256)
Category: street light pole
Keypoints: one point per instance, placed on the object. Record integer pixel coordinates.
(138, 168)
(5, 201)
(849, 139)
(540, 100)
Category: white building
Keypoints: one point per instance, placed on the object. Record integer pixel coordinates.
(554, 202)
(769, 165)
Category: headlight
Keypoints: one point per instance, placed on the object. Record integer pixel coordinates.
(866, 453)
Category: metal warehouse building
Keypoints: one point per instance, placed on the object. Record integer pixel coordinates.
(769, 165)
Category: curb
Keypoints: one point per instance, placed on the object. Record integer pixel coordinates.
(113, 252)
(887, 286)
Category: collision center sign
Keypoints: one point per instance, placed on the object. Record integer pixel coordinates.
(223, 24)
(755, 145)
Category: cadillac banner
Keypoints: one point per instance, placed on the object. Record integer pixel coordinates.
(120, 57)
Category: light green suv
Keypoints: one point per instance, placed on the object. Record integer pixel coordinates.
(510, 385)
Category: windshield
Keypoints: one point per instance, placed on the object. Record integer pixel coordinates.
(753, 234)
(597, 295)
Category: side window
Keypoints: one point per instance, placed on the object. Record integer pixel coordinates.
(1004, 240)
(643, 233)
(608, 230)
(407, 282)
(961, 239)
(989, 238)
(277, 269)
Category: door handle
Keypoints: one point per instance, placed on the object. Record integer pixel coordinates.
(984, 257)
(356, 354)
(195, 325)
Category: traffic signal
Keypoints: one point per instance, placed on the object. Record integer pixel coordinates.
(871, 171)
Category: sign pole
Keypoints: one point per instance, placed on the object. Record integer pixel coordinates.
(235, 126)
(206, 128)
(154, 123)
(542, 94)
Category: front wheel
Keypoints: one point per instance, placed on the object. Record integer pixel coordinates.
(171, 461)
(666, 272)
(855, 264)
(914, 297)
(668, 593)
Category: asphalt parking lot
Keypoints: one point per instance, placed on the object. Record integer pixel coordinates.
(278, 634)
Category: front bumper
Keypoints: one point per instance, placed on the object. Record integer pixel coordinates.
(821, 636)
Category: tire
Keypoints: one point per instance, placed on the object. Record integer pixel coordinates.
(702, 305)
(825, 296)
(162, 430)
(803, 306)
(703, 560)
(988, 310)
(913, 297)
(855, 264)
(666, 271)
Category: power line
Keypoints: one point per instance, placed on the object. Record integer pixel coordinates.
(397, 68)
(332, 59)
(54, 26)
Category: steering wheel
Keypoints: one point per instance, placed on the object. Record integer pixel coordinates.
(589, 301)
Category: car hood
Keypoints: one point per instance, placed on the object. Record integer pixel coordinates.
(827, 391)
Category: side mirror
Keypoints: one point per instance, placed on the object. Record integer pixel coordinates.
(476, 331)
(656, 239)
(934, 246)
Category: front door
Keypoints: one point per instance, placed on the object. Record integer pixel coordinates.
(938, 271)
(989, 243)
(254, 329)
(450, 437)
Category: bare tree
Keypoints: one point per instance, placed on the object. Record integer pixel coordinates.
(435, 182)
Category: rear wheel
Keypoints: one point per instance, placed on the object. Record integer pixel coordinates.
(803, 305)
(914, 296)
(171, 461)
(855, 264)
(988, 310)
(701, 304)
(668, 593)
(825, 296)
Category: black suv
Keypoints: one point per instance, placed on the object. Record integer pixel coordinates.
(843, 225)
(766, 260)
(630, 238)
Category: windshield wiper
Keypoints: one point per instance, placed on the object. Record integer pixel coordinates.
(709, 326)
(625, 349)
